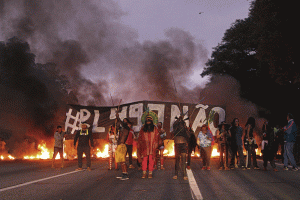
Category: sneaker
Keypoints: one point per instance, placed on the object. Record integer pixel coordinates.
(275, 170)
(203, 168)
(144, 175)
(295, 169)
(78, 169)
(285, 168)
(124, 177)
(208, 168)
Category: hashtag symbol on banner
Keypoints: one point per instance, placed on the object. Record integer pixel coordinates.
(73, 125)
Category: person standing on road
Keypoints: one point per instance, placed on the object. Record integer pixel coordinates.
(122, 127)
(148, 143)
(290, 133)
(58, 145)
(250, 143)
(191, 145)
(112, 139)
(129, 144)
(268, 145)
(84, 137)
(181, 143)
(236, 144)
(205, 139)
(161, 147)
(223, 133)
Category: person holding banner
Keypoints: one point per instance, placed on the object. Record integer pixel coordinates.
(112, 139)
(84, 137)
(58, 145)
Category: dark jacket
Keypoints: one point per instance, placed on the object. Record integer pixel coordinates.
(84, 138)
(180, 130)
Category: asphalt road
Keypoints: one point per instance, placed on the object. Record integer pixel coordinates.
(37, 180)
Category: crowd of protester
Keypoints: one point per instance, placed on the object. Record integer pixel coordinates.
(232, 141)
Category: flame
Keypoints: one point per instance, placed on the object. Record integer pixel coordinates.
(104, 153)
(70, 152)
(169, 148)
(4, 154)
(44, 153)
(214, 152)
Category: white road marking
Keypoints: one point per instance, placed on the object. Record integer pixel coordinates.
(196, 194)
(39, 180)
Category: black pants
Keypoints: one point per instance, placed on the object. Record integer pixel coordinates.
(180, 151)
(234, 150)
(87, 151)
(129, 152)
(268, 155)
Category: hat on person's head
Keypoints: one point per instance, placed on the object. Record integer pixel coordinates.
(225, 124)
(149, 115)
(84, 123)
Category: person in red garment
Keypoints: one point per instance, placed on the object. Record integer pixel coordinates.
(148, 142)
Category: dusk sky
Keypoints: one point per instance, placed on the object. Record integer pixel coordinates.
(151, 18)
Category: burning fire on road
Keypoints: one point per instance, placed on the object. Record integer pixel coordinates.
(99, 152)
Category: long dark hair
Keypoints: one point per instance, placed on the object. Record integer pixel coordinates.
(251, 121)
(148, 127)
(233, 121)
